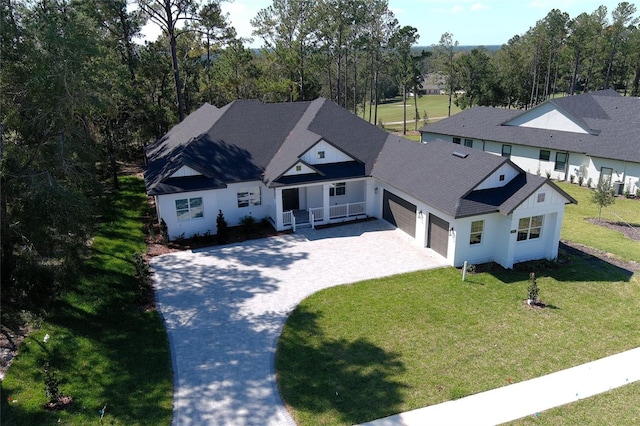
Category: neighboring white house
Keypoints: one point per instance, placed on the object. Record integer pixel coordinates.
(586, 136)
(312, 163)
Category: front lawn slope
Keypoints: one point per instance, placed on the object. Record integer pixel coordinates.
(354, 353)
(104, 346)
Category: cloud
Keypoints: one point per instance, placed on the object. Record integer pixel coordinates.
(479, 6)
(457, 9)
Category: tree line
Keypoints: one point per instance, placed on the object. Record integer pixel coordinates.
(81, 93)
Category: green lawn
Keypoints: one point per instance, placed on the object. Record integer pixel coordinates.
(104, 347)
(436, 107)
(575, 228)
(358, 352)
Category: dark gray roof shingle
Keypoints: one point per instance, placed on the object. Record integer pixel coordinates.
(250, 140)
(615, 120)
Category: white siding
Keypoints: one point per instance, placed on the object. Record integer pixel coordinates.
(213, 201)
(546, 116)
(185, 171)
(304, 170)
(331, 154)
(494, 181)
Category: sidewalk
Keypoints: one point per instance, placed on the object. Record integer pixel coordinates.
(526, 398)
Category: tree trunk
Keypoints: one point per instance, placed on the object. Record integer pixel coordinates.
(574, 76)
(404, 109)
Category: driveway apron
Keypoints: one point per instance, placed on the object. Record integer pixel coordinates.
(224, 308)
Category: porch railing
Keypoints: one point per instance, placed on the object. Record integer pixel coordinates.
(347, 210)
(316, 214)
(289, 219)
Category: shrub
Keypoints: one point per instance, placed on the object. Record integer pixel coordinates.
(223, 228)
(580, 180)
(572, 178)
(548, 173)
(589, 182)
(51, 385)
(533, 289)
(248, 224)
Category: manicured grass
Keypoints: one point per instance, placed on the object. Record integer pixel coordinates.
(355, 353)
(616, 407)
(436, 107)
(575, 228)
(103, 346)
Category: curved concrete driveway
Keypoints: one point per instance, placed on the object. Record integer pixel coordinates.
(224, 308)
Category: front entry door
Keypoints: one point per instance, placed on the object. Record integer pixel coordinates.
(290, 199)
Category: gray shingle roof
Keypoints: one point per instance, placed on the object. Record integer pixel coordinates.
(614, 118)
(250, 140)
(434, 175)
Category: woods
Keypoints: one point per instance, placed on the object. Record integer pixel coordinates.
(82, 92)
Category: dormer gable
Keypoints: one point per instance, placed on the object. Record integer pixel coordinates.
(324, 152)
(185, 171)
(499, 178)
(300, 168)
(549, 116)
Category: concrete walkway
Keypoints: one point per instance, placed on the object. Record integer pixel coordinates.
(224, 308)
(526, 398)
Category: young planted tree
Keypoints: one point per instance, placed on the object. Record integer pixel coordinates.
(603, 195)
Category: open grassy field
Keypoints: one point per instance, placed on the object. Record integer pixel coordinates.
(355, 353)
(104, 347)
(435, 106)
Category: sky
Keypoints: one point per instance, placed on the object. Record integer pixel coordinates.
(472, 22)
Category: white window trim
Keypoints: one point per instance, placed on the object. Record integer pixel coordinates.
(248, 197)
(339, 187)
(193, 212)
(529, 228)
(479, 233)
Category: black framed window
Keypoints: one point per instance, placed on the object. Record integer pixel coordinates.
(506, 151)
(561, 161)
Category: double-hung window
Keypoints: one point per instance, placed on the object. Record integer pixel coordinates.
(339, 189)
(506, 151)
(249, 197)
(529, 228)
(468, 143)
(545, 154)
(477, 227)
(189, 208)
(561, 161)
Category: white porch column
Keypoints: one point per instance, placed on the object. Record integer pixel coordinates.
(278, 205)
(371, 198)
(326, 201)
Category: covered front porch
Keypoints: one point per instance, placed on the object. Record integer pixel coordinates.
(322, 204)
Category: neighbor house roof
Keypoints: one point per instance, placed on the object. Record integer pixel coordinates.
(249, 140)
(614, 122)
(445, 175)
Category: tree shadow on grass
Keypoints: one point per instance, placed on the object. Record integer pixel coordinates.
(320, 377)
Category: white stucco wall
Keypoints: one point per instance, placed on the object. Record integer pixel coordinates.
(213, 201)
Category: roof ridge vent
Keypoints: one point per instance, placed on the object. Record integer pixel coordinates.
(460, 154)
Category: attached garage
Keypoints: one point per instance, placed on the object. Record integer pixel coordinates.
(438, 237)
(399, 212)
